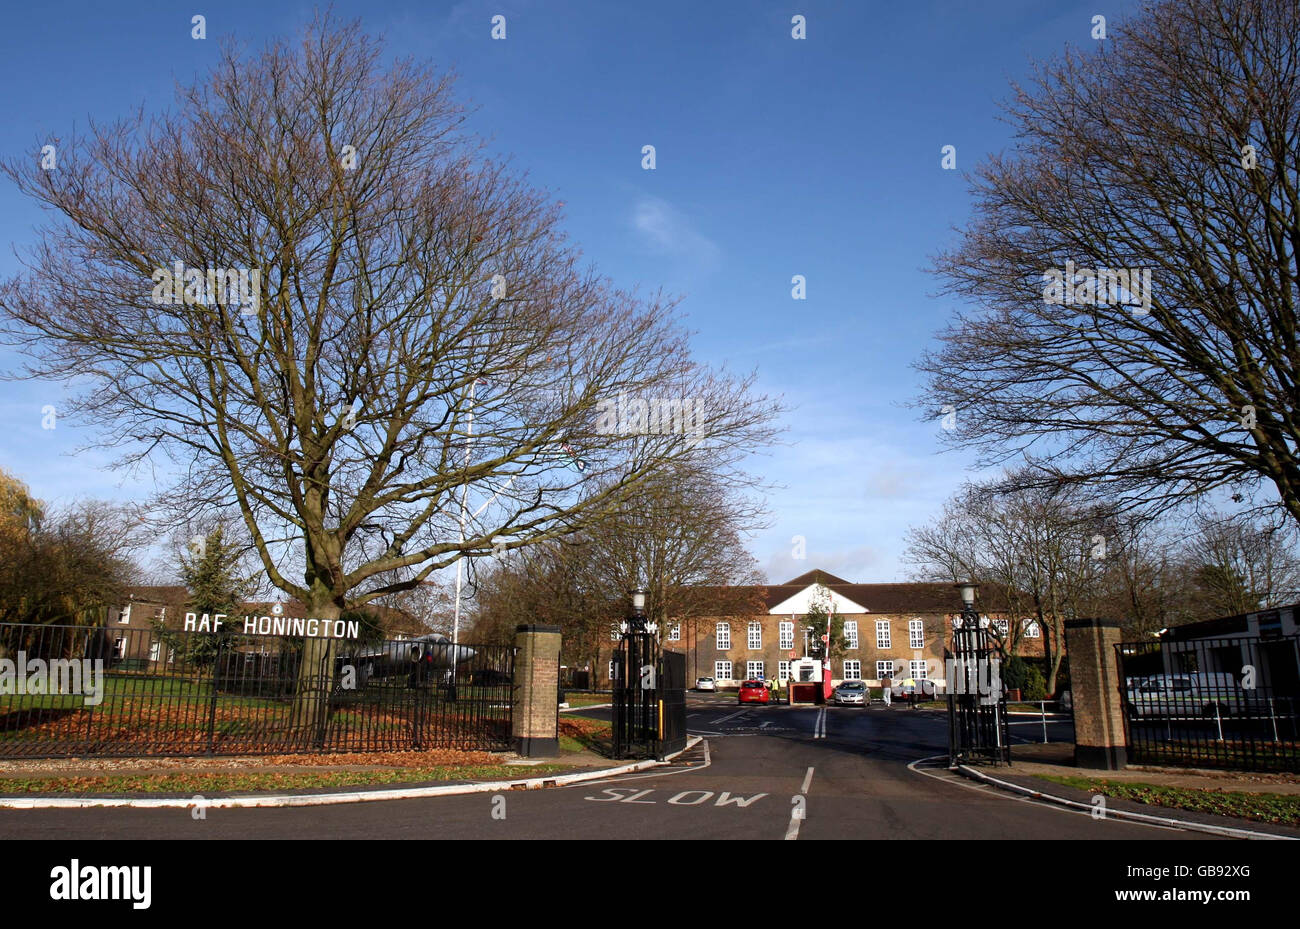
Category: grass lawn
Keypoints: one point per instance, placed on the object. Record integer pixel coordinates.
(211, 783)
(579, 734)
(1282, 809)
(576, 700)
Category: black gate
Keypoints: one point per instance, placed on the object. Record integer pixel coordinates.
(1230, 702)
(977, 703)
(672, 701)
(649, 698)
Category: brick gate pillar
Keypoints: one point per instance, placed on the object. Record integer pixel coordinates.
(1095, 689)
(536, 715)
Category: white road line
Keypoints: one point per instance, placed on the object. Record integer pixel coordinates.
(729, 716)
(708, 760)
(797, 813)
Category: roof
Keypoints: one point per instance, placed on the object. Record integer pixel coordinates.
(1223, 625)
(815, 576)
(916, 597)
(165, 594)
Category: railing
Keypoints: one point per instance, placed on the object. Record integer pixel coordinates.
(1230, 702)
(72, 690)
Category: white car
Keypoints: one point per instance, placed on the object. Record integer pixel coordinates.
(706, 683)
(1205, 694)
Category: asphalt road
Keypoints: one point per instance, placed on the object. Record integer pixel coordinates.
(775, 772)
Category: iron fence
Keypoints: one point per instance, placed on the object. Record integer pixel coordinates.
(73, 690)
(1221, 703)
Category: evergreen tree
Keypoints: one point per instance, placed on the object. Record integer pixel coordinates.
(211, 574)
(816, 619)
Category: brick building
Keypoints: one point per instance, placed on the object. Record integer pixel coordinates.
(893, 630)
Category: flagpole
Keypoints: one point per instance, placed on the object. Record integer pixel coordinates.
(460, 560)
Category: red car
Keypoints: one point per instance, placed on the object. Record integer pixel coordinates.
(752, 692)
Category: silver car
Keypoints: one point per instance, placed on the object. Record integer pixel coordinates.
(850, 693)
(706, 683)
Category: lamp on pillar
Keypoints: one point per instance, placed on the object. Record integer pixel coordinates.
(636, 618)
(968, 591)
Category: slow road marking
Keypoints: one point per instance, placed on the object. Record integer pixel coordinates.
(697, 797)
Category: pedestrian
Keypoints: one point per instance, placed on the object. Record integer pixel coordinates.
(884, 692)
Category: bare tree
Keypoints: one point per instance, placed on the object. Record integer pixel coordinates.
(1037, 550)
(1135, 265)
(412, 338)
(681, 537)
(1236, 566)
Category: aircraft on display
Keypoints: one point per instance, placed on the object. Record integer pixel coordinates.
(417, 657)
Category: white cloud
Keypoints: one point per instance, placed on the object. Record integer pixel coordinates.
(664, 230)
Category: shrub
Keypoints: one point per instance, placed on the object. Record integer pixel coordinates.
(1035, 687)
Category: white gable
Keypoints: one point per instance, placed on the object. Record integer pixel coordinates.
(799, 603)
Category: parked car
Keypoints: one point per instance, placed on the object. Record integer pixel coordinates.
(752, 692)
(850, 693)
(706, 683)
(1190, 694)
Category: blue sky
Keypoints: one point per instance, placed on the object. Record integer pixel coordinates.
(775, 157)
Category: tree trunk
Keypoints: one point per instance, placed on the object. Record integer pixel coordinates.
(311, 705)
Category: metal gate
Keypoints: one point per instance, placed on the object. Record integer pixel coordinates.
(672, 703)
(977, 702)
(1231, 702)
(649, 698)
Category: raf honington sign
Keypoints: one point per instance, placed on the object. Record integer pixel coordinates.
(277, 625)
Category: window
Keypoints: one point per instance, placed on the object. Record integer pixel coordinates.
(124, 615)
(153, 651)
(722, 670)
(1002, 626)
(612, 670)
(755, 635)
(787, 636)
(160, 614)
(851, 632)
(852, 670)
(884, 669)
(754, 670)
(613, 632)
(882, 633)
(918, 670)
(915, 633)
(1031, 629)
(119, 646)
(783, 670)
(724, 639)
(171, 656)
(675, 632)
